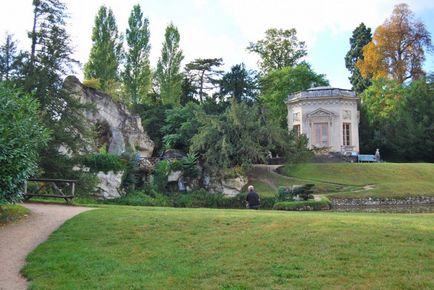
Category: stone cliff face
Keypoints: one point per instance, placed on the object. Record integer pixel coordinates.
(115, 125)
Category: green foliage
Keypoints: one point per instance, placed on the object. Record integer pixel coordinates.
(140, 198)
(160, 175)
(12, 213)
(9, 59)
(180, 125)
(130, 178)
(239, 83)
(382, 99)
(102, 162)
(22, 135)
(234, 172)
(241, 136)
(278, 84)
(361, 37)
(280, 48)
(411, 133)
(323, 203)
(49, 61)
(86, 182)
(105, 54)
(297, 150)
(199, 198)
(189, 166)
(204, 75)
(92, 83)
(137, 73)
(153, 119)
(168, 75)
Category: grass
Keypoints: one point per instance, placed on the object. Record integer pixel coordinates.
(118, 247)
(387, 179)
(11, 213)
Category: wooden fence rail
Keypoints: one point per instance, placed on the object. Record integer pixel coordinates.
(48, 187)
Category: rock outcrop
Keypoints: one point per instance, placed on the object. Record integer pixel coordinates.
(229, 186)
(109, 186)
(115, 125)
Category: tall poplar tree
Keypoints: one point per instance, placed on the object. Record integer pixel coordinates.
(106, 51)
(137, 74)
(168, 75)
(361, 37)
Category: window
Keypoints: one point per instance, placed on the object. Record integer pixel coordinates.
(297, 129)
(321, 134)
(346, 133)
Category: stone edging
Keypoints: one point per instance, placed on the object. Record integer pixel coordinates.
(375, 201)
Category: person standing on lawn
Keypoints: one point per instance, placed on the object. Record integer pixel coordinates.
(253, 200)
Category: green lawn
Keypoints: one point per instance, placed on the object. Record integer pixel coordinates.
(10, 213)
(163, 248)
(388, 179)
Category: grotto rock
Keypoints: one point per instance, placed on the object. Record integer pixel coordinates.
(116, 126)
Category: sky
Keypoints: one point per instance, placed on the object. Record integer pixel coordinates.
(224, 28)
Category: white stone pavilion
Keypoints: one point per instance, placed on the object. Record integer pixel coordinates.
(327, 116)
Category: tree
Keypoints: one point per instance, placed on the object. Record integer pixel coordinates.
(382, 99)
(279, 83)
(180, 126)
(279, 49)
(361, 37)
(20, 141)
(9, 59)
(397, 50)
(105, 54)
(241, 136)
(137, 74)
(239, 83)
(381, 107)
(415, 138)
(203, 74)
(44, 73)
(168, 75)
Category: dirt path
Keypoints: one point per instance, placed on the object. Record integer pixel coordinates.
(17, 240)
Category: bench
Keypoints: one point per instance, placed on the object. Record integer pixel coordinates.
(366, 158)
(47, 187)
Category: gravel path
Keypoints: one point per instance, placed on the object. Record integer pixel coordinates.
(17, 240)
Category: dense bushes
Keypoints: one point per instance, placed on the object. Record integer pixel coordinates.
(21, 136)
(323, 203)
(200, 198)
(102, 162)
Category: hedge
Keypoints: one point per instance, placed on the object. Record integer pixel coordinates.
(322, 204)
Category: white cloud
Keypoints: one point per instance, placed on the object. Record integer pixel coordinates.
(211, 28)
(311, 17)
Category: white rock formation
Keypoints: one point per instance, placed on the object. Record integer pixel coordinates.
(110, 185)
(229, 187)
(125, 129)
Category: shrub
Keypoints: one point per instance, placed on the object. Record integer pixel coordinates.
(92, 83)
(130, 178)
(161, 172)
(140, 198)
(195, 199)
(322, 204)
(102, 162)
(22, 135)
